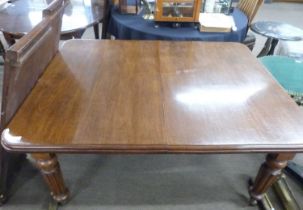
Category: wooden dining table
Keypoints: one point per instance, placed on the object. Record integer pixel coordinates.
(156, 97)
(18, 17)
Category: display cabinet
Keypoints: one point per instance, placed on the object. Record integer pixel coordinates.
(177, 10)
(217, 6)
(129, 6)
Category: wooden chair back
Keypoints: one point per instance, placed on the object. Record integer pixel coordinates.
(27, 59)
(250, 8)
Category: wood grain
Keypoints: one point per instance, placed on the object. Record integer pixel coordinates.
(156, 96)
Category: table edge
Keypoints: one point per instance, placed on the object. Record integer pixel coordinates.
(23, 146)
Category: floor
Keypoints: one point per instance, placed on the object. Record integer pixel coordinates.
(160, 182)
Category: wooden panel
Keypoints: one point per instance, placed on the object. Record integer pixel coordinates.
(250, 8)
(220, 98)
(156, 96)
(126, 98)
(26, 60)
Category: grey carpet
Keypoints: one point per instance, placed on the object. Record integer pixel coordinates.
(146, 182)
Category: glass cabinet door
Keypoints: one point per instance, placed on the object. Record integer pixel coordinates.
(178, 9)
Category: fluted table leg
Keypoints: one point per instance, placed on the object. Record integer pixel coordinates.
(50, 169)
(268, 173)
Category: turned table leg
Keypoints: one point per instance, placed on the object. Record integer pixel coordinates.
(268, 173)
(51, 172)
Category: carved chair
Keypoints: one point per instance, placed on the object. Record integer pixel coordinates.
(250, 9)
(25, 62)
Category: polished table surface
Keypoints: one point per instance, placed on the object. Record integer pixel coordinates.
(156, 96)
(20, 16)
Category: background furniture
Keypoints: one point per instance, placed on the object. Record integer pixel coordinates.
(250, 9)
(301, 1)
(177, 103)
(177, 11)
(288, 72)
(2, 46)
(134, 27)
(275, 31)
(24, 63)
(20, 16)
(290, 49)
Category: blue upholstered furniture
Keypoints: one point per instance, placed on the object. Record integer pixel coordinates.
(288, 72)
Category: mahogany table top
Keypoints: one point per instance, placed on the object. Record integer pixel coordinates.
(156, 96)
(20, 16)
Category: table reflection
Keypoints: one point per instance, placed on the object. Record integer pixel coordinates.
(218, 95)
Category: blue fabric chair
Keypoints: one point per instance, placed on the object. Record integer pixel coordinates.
(288, 72)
